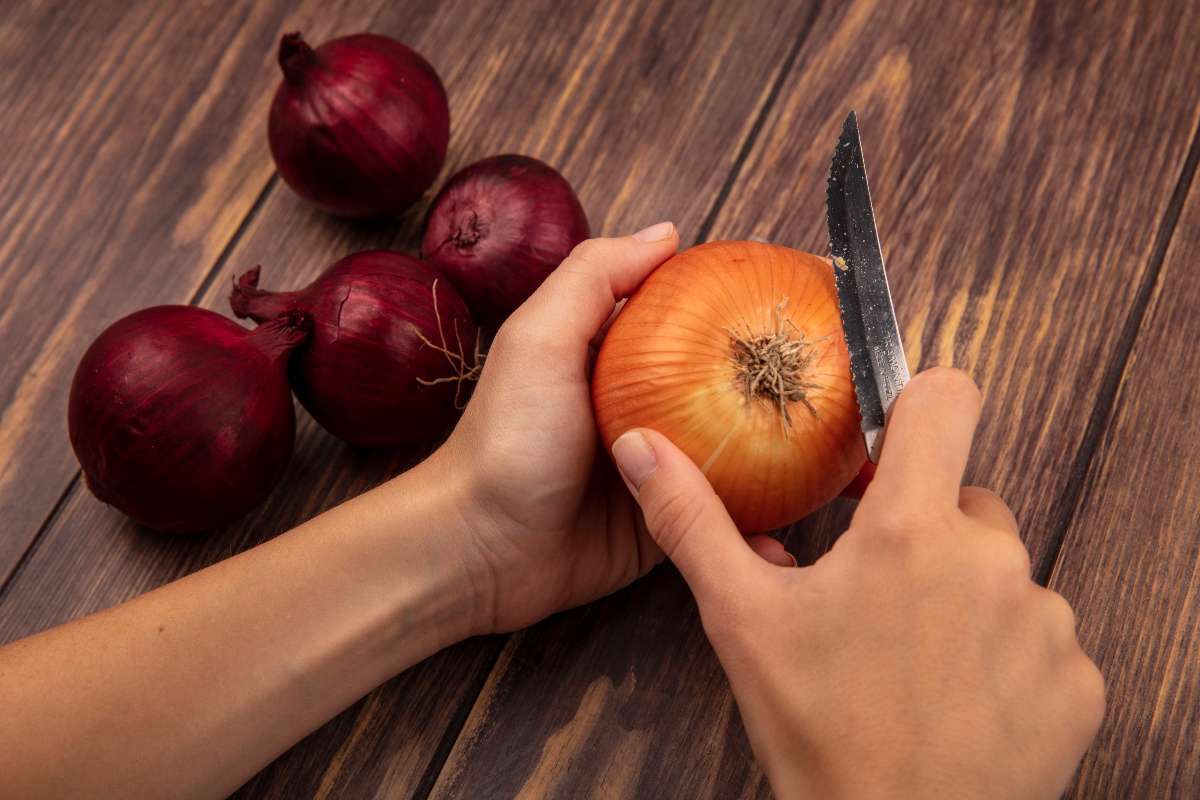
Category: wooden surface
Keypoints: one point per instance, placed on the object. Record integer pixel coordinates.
(133, 151)
(1033, 168)
(1131, 558)
(995, 266)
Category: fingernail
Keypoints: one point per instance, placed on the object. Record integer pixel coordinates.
(795, 563)
(655, 233)
(634, 457)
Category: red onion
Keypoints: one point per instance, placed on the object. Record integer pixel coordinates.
(358, 126)
(183, 419)
(499, 227)
(392, 352)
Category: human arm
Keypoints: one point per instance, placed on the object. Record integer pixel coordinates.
(190, 689)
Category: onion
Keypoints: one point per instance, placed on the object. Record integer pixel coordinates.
(734, 351)
(183, 419)
(392, 352)
(499, 227)
(358, 126)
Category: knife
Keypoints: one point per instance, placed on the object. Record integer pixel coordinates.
(877, 361)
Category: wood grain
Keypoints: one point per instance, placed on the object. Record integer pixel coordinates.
(1131, 559)
(133, 149)
(1018, 206)
(620, 699)
(645, 107)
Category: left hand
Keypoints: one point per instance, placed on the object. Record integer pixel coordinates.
(550, 524)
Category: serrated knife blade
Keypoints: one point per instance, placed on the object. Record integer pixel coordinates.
(877, 361)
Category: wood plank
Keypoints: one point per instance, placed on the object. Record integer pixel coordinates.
(645, 125)
(134, 144)
(1131, 560)
(1018, 206)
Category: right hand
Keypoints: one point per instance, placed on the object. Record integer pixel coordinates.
(917, 658)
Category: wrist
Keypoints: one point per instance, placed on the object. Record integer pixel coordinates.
(434, 515)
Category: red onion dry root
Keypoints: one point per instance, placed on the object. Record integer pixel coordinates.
(359, 126)
(183, 419)
(499, 227)
(393, 352)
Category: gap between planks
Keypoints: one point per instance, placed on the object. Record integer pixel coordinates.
(1105, 405)
(73, 484)
(209, 278)
(450, 737)
(1098, 421)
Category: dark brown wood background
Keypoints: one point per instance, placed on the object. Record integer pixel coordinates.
(1033, 164)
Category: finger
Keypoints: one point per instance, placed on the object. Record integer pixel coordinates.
(1057, 618)
(598, 339)
(572, 303)
(986, 506)
(928, 440)
(771, 550)
(683, 514)
(600, 334)
(650, 555)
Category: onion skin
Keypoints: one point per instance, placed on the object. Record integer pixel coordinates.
(359, 126)
(371, 372)
(499, 227)
(183, 419)
(667, 364)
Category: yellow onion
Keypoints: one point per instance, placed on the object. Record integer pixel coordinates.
(735, 352)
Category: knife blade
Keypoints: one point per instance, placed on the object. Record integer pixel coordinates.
(877, 361)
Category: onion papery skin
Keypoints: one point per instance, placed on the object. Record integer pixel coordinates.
(183, 419)
(377, 371)
(359, 126)
(499, 227)
(667, 363)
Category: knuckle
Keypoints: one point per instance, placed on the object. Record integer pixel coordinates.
(1008, 556)
(979, 502)
(907, 522)
(588, 280)
(511, 343)
(589, 251)
(980, 497)
(1089, 682)
(672, 518)
(897, 541)
(1059, 613)
(509, 331)
(896, 535)
(522, 335)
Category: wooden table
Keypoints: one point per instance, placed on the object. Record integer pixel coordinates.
(1034, 167)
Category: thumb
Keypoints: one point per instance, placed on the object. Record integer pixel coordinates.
(576, 299)
(683, 513)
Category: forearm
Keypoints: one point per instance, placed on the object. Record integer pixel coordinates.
(190, 689)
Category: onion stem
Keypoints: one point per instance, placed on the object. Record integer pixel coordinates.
(774, 366)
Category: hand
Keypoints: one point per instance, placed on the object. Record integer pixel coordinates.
(916, 658)
(552, 526)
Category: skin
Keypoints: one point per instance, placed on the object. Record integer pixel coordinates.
(189, 690)
(916, 658)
